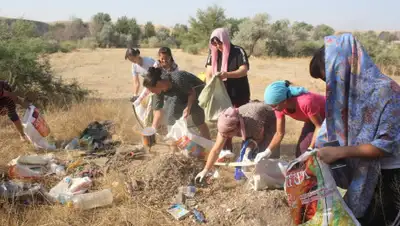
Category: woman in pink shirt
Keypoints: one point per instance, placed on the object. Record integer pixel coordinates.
(299, 104)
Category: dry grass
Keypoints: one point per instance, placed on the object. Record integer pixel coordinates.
(106, 71)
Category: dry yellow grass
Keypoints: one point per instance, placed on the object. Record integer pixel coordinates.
(106, 71)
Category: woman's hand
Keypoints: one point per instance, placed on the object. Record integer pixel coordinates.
(223, 75)
(331, 154)
(186, 112)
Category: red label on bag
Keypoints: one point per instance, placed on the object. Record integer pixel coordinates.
(40, 124)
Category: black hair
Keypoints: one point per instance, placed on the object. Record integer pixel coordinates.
(287, 83)
(167, 51)
(152, 77)
(317, 64)
(215, 39)
(131, 52)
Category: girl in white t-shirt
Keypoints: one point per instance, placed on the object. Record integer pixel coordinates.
(140, 65)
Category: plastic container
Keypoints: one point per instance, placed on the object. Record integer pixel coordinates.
(188, 191)
(59, 170)
(91, 200)
(74, 144)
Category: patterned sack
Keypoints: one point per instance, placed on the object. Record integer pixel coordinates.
(189, 143)
(312, 194)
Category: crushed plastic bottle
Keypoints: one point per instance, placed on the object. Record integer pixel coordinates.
(59, 170)
(74, 144)
(91, 200)
(188, 191)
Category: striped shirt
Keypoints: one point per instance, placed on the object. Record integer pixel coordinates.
(7, 105)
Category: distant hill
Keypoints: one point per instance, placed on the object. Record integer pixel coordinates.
(41, 27)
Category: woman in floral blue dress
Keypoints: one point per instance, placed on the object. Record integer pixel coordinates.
(363, 114)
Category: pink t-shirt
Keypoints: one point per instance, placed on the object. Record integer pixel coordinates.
(307, 105)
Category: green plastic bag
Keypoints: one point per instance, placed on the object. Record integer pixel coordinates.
(214, 99)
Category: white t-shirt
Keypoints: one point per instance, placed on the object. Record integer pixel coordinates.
(142, 70)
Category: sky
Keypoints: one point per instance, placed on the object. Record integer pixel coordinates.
(339, 14)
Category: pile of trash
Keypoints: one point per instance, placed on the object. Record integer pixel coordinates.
(160, 177)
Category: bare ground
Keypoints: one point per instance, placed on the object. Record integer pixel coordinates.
(224, 202)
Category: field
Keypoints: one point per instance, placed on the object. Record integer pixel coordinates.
(108, 73)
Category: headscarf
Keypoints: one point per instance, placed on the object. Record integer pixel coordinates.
(228, 121)
(362, 107)
(281, 90)
(223, 35)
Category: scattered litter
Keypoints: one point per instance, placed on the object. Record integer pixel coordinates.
(199, 216)
(69, 187)
(92, 200)
(178, 211)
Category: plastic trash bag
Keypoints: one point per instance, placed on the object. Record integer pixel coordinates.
(70, 187)
(188, 142)
(312, 193)
(267, 174)
(214, 99)
(36, 129)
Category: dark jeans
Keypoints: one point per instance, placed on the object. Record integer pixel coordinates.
(305, 138)
(385, 204)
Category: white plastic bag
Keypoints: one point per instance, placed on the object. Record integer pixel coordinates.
(312, 193)
(188, 142)
(267, 174)
(214, 99)
(36, 129)
(70, 186)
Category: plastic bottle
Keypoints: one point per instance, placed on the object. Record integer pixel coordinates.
(74, 144)
(92, 200)
(188, 191)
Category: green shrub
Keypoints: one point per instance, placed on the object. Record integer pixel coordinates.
(192, 49)
(28, 71)
(68, 46)
(88, 43)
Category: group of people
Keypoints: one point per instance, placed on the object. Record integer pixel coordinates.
(361, 110)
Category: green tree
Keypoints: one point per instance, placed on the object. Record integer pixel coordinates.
(320, 31)
(23, 29)
(279, 39)
(205, 22)
(127, 26)
(233, 25)
(76, 29)
(178, 33)
(387, 36)
(251, 32)
(149, 30)
(301, 31)
(98, 21)
(106, 35)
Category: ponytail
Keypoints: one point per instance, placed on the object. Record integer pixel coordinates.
(131, 52)
(152, 77)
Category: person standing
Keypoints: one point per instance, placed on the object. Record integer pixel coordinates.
(232, 63)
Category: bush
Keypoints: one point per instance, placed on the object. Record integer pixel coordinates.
(41, 46)
(88, 43)
(68, 46)
(192, 49)
(306, 48)
(30, 72)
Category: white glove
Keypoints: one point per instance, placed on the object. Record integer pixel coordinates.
(201, 175)
(261, 155)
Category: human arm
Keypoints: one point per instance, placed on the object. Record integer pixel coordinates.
(157, 105)
(317, 121)
(279, 134)
(242, 61)
(240, 72)
(208, 67)
(136, 85)
(332, 154)
(191, 100)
